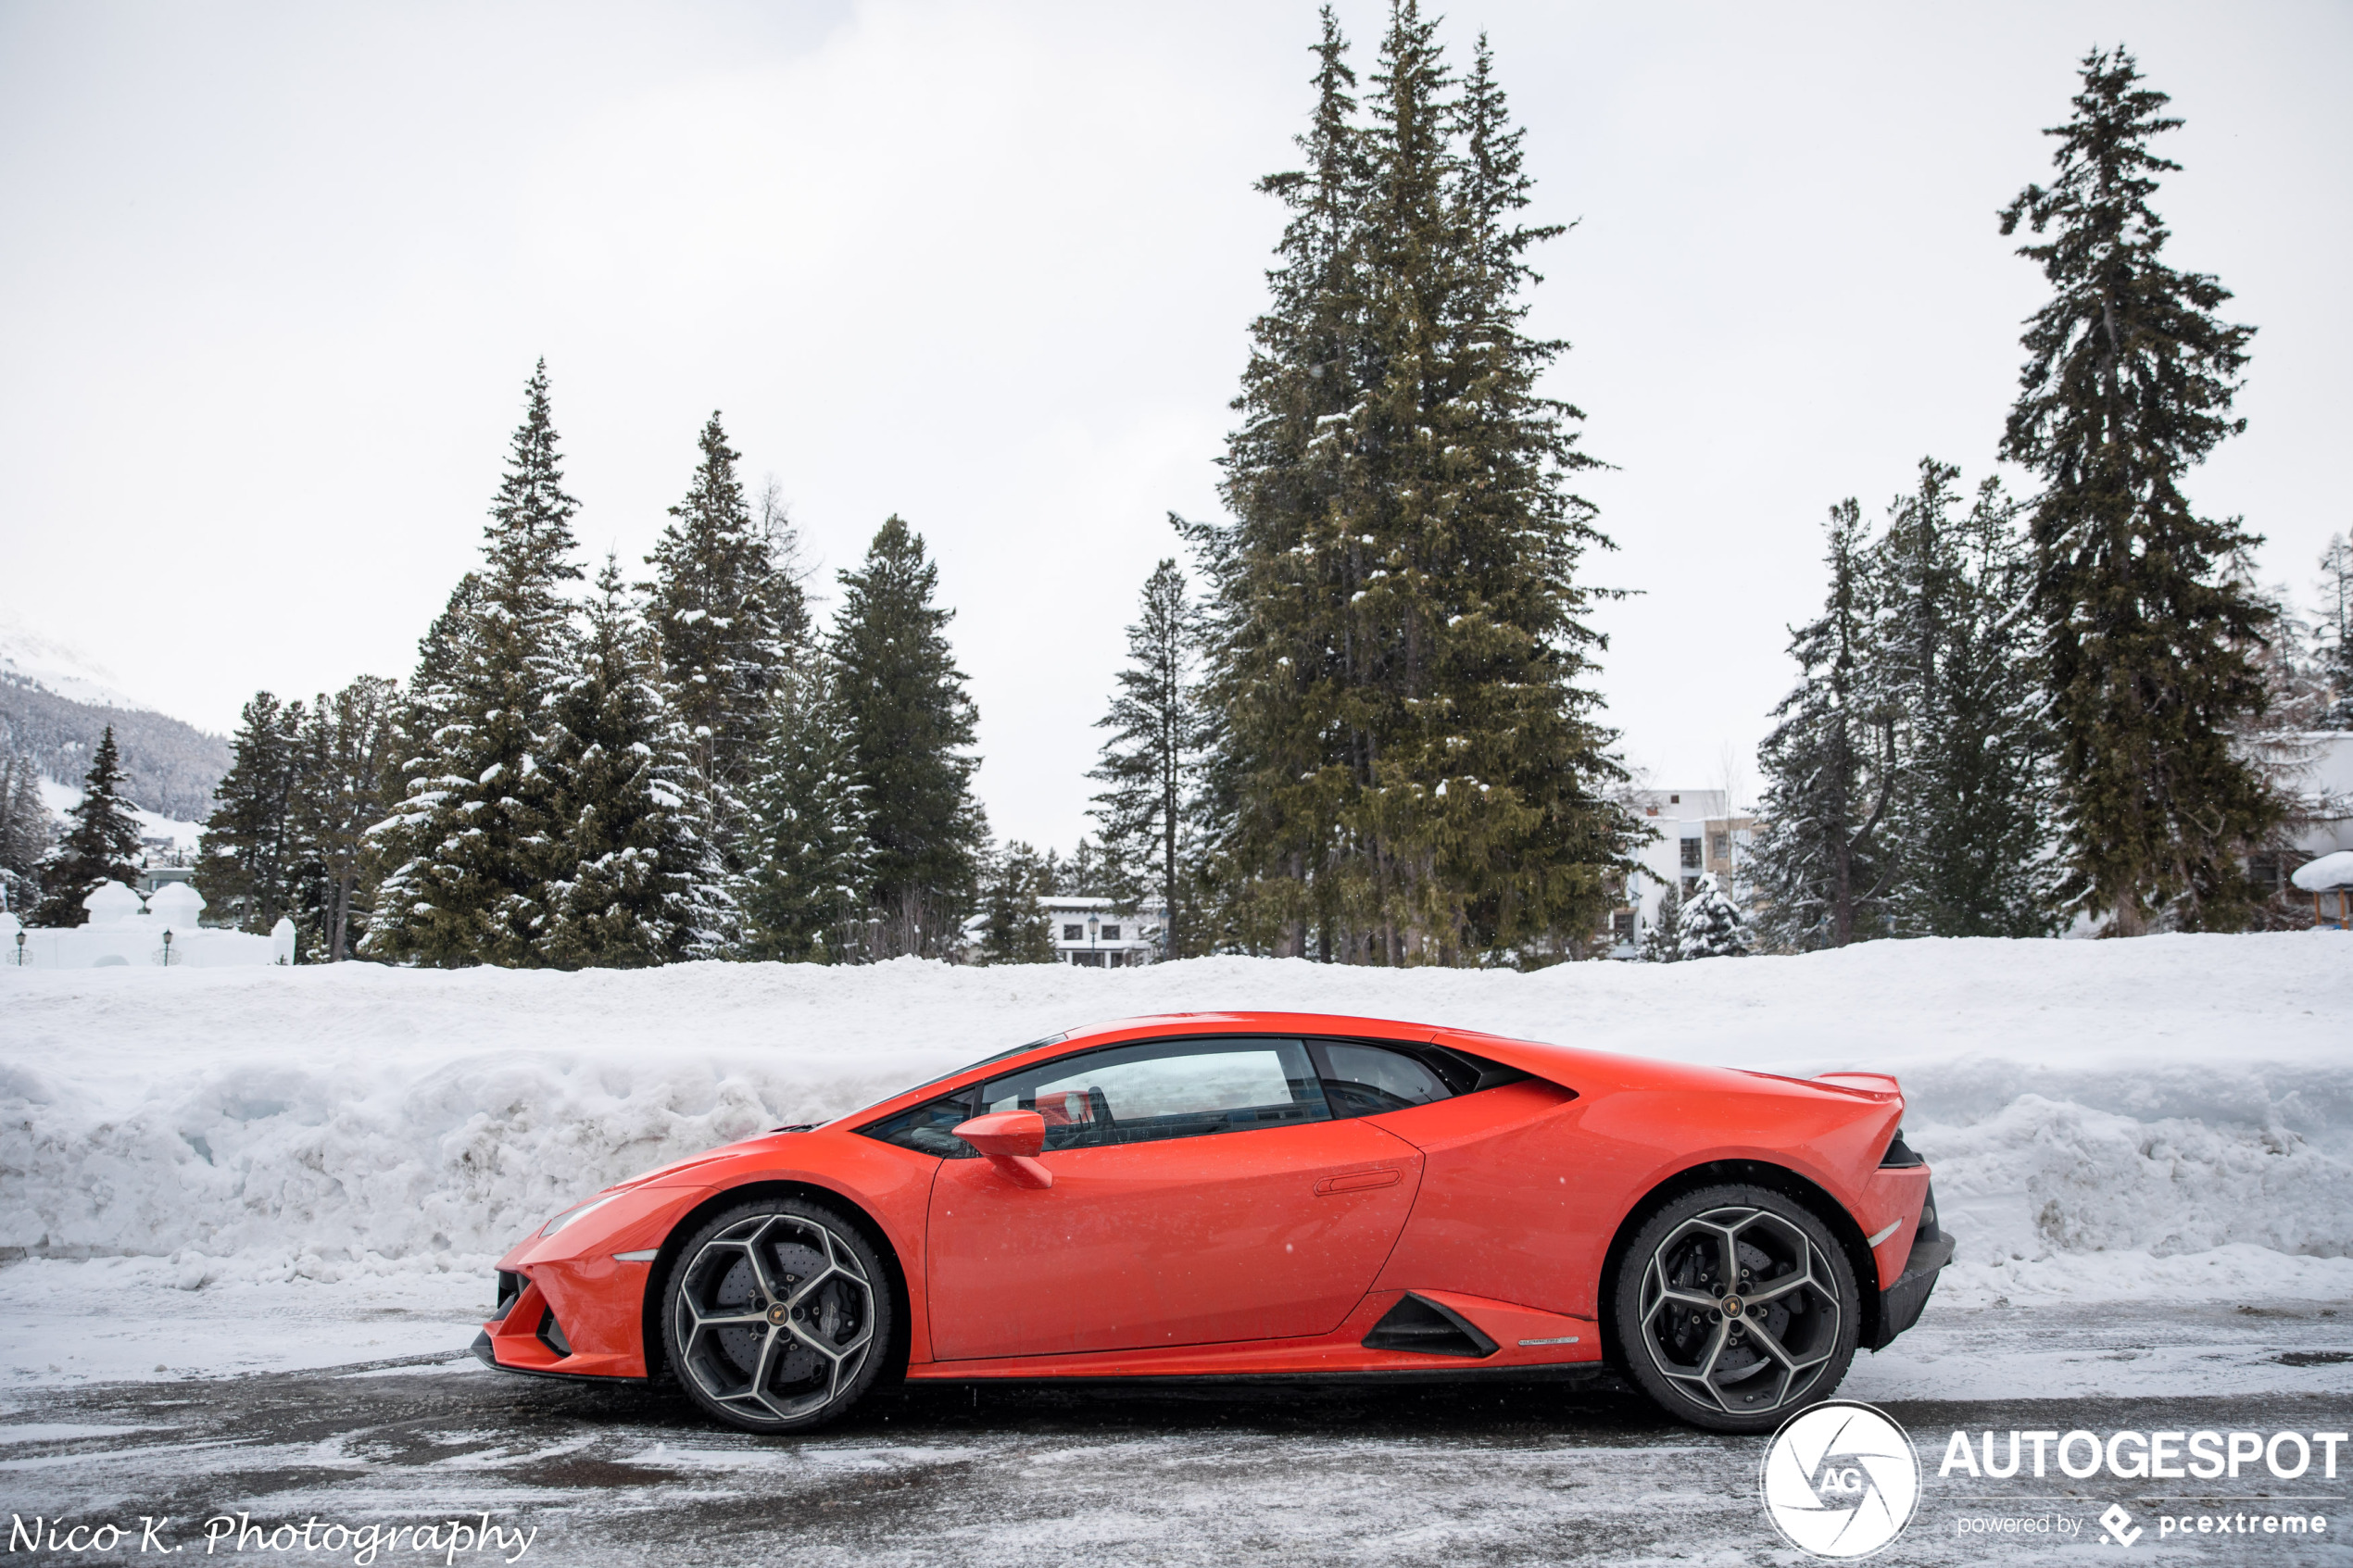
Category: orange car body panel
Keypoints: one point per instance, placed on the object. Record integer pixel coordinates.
(1273, 1234)
(1265, 1251)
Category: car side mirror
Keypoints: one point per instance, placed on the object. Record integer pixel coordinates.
(1010, 1140)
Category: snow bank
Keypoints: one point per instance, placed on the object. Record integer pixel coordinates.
(2157, 1099)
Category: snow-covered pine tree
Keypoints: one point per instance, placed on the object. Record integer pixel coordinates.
(1954, 662)
(27, 832)
(346, 747)
(1663, 942)
(2127, 384)
(1268, 676)
(643, 884)
(1713, 925)
(807, 888)
(100, 844)
(476, 836)
(2332, 650)
(1407, 772)
(910, 723)
(724, 611)
(1150, 815)
(1015, 927)
(250, 858)
(1821, 869)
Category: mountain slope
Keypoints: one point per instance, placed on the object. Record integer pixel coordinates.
(54, 703)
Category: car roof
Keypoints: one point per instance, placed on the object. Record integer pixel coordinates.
(1150, 1026)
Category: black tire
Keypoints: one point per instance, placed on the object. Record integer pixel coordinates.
(1737, 1354)
(777, 1316)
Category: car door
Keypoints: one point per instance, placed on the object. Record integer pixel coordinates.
(1203, 1192)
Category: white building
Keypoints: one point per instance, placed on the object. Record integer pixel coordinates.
(1698, 835)
(2320, 770)
(124, 933)
(1092, 935)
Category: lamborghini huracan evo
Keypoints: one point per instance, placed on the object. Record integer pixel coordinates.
(1252, 1194)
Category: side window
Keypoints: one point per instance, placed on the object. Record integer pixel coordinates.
(1165, 1089)
(1366, 1080)
(928, 1129)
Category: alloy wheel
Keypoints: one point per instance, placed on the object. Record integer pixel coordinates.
(776, 1318)
(1739, 1310)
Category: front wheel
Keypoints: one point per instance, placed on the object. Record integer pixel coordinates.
(778, 1316)
(1735, 1307)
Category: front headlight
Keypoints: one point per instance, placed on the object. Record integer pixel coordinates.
(568, 1215)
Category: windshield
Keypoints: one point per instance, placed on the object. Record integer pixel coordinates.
(999, 1056)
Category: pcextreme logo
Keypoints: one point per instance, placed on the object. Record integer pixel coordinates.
(1840, 1480)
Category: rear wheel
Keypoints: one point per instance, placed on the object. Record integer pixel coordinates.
(778, 1316)
(1735, 1307)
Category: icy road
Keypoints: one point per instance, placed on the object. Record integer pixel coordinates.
(1524, 1472)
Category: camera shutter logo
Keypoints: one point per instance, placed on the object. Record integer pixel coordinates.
(1840, 1480)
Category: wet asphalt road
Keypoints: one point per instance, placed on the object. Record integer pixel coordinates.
(1510, 1473)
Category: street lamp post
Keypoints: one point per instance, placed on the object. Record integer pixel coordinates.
(1094, 924)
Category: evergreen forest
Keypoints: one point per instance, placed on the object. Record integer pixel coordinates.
(1360, 717)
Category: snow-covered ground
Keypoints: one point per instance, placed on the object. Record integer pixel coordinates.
(316, 1165)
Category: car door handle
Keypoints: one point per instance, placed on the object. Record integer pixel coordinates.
(1358, 1181)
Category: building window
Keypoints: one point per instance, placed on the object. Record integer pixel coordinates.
(1110, 934)
(1074, 934)
(1090, 960)
(1691, 854)
(1622, 922)
(1719, 846)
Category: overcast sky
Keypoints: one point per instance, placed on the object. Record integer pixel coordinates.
(271, 278)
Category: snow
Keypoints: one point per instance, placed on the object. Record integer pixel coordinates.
(2328, 871)
(2108, 1121)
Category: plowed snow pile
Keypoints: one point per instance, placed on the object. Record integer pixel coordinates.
(2176, 1112)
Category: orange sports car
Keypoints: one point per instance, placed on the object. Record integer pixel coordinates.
(1251, 1193)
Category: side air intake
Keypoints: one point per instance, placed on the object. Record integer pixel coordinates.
(1426, 1328)
(551, 1335)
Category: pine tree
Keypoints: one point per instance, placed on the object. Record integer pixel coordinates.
(477, 836)
(1663, 942)
(27, 832)
(1954, 666)
(1150, 813)
(643, 883)
(910, 722)
(1409, 772)
(2127, 384)
(1821, 869)
(2333, 652)
(101, 843)
(1713, 926)
(249, 861)
(807, 891)
(1015, 927)
(726, 612)
(345, 755)
(1089, 872)
(1267, 786)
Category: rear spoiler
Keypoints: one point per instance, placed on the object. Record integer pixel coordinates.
(1879, 1085)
